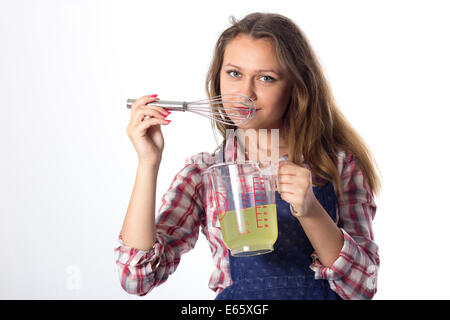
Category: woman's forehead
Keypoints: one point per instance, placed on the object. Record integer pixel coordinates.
(246, 52)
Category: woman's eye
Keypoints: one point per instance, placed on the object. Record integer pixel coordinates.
(233, 73)
(268, 78)
(236, 74)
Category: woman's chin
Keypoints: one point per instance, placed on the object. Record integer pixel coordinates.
(246, 126)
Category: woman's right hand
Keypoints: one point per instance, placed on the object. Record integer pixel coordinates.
(145, 133)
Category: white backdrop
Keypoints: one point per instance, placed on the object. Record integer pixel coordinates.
(68, 168)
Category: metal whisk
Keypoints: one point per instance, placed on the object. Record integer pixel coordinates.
(230, 108)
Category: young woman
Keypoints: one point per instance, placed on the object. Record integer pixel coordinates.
(326, 180)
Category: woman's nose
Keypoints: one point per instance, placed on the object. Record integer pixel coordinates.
(248, 90)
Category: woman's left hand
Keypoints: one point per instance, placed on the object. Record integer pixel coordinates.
(295, 187)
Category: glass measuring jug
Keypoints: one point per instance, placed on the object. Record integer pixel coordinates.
(244, 199)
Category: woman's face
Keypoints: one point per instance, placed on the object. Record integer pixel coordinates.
(250, 68)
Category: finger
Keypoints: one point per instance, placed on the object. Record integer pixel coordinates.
(141, 114)
(150, 112)
(143, 101)
(160, 109)
(300, 179)
(288, 197)
(287, 169)
(289, 188)
(147, 123)
(286, 178)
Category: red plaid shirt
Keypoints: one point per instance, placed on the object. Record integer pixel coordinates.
(187, 207)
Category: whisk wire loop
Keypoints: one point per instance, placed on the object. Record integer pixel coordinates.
(230, 109)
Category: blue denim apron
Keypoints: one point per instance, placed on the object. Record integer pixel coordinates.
(283, 273)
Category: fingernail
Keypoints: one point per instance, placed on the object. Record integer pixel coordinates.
(168, 120)
(153, 95)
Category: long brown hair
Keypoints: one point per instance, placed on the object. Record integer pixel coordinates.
(313, 123)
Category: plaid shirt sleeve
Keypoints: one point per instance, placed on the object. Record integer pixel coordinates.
(177, 228)
(353, 275)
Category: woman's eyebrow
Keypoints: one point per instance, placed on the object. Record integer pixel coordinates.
(259, 70)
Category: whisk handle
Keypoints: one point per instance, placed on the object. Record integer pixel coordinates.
(169, 105)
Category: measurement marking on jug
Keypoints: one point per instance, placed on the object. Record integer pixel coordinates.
(246, 194)
(260, 202)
